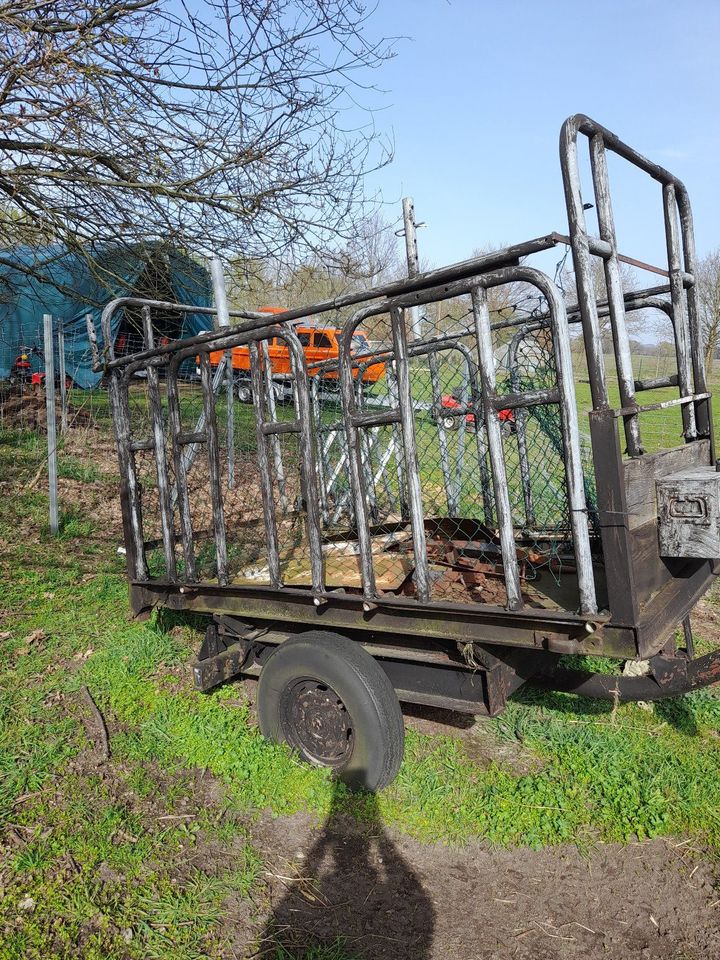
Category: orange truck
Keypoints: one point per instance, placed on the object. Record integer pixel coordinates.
(320, 344)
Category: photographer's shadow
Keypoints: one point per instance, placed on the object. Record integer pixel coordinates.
(354, 894)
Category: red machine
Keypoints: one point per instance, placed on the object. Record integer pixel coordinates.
(450, 401)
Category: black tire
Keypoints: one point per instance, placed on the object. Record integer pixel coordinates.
(331, 702)
(244, 392)
(451, 423)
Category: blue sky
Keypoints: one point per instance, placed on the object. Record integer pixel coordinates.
(477, 93)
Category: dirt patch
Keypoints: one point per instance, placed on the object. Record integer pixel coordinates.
(391, 897)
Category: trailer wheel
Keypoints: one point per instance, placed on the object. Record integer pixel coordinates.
(451, 423)
(327, 698)
(244, 392)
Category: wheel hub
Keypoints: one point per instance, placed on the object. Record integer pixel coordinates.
(316, 723)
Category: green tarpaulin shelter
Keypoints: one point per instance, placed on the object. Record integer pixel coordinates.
(73, 286)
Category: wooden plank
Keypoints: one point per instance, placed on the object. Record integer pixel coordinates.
(641, 473)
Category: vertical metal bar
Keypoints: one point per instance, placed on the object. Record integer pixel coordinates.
(274, 438)
(688, 634)
(582, 264)
(324, 447)
(481, 315)
(357, 480)
(129, 486)
(407, 422)
(129, 495)
(308, 458)
(703, 409)
(230, 441)
(413, 261)
(458, 466)
(452, 504)
(520, 429)
(368, 442)
(679, 312)
(390, 374)
(217, 274)
(266, 484)
(61, 376)
(615, 297)
(180, 490)
(156, 412)
(192, 450)
(51, 426)
(92, 340)
(213, 454)
(572, 457)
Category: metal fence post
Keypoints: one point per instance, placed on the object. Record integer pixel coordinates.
(61, 376)
(223, 320)
(413, 262)
(51, 429)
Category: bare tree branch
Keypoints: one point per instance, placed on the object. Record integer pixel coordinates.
(225, 125)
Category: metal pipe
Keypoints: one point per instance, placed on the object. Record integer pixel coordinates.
(407, 422)
(613, 284)
(497, 459)
(275, 442)
(62, 377)
(223, 321)
(213, 455)
(158, 424)
(413, 261)
(51, 424)
(266, 483)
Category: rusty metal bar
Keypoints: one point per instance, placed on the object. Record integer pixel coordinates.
(663, 405)
(163, 483)
(613, 284)
(272, 409)
(497, 459)
(266, 483)
(178, 440)
(129, 486)
(407, 422)
(213, 456)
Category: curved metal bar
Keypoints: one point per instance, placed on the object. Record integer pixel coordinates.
(699, 673)
(421, 281)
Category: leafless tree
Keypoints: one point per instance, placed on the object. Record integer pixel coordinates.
(225, 126)
(370, 257)
(707, 275)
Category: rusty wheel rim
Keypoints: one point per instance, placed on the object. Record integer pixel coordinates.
(316, 723)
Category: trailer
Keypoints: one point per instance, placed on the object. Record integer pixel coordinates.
(368, 554)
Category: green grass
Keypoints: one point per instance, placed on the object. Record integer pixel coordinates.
(602, 774)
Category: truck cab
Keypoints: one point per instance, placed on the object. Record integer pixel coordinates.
(320, 343)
